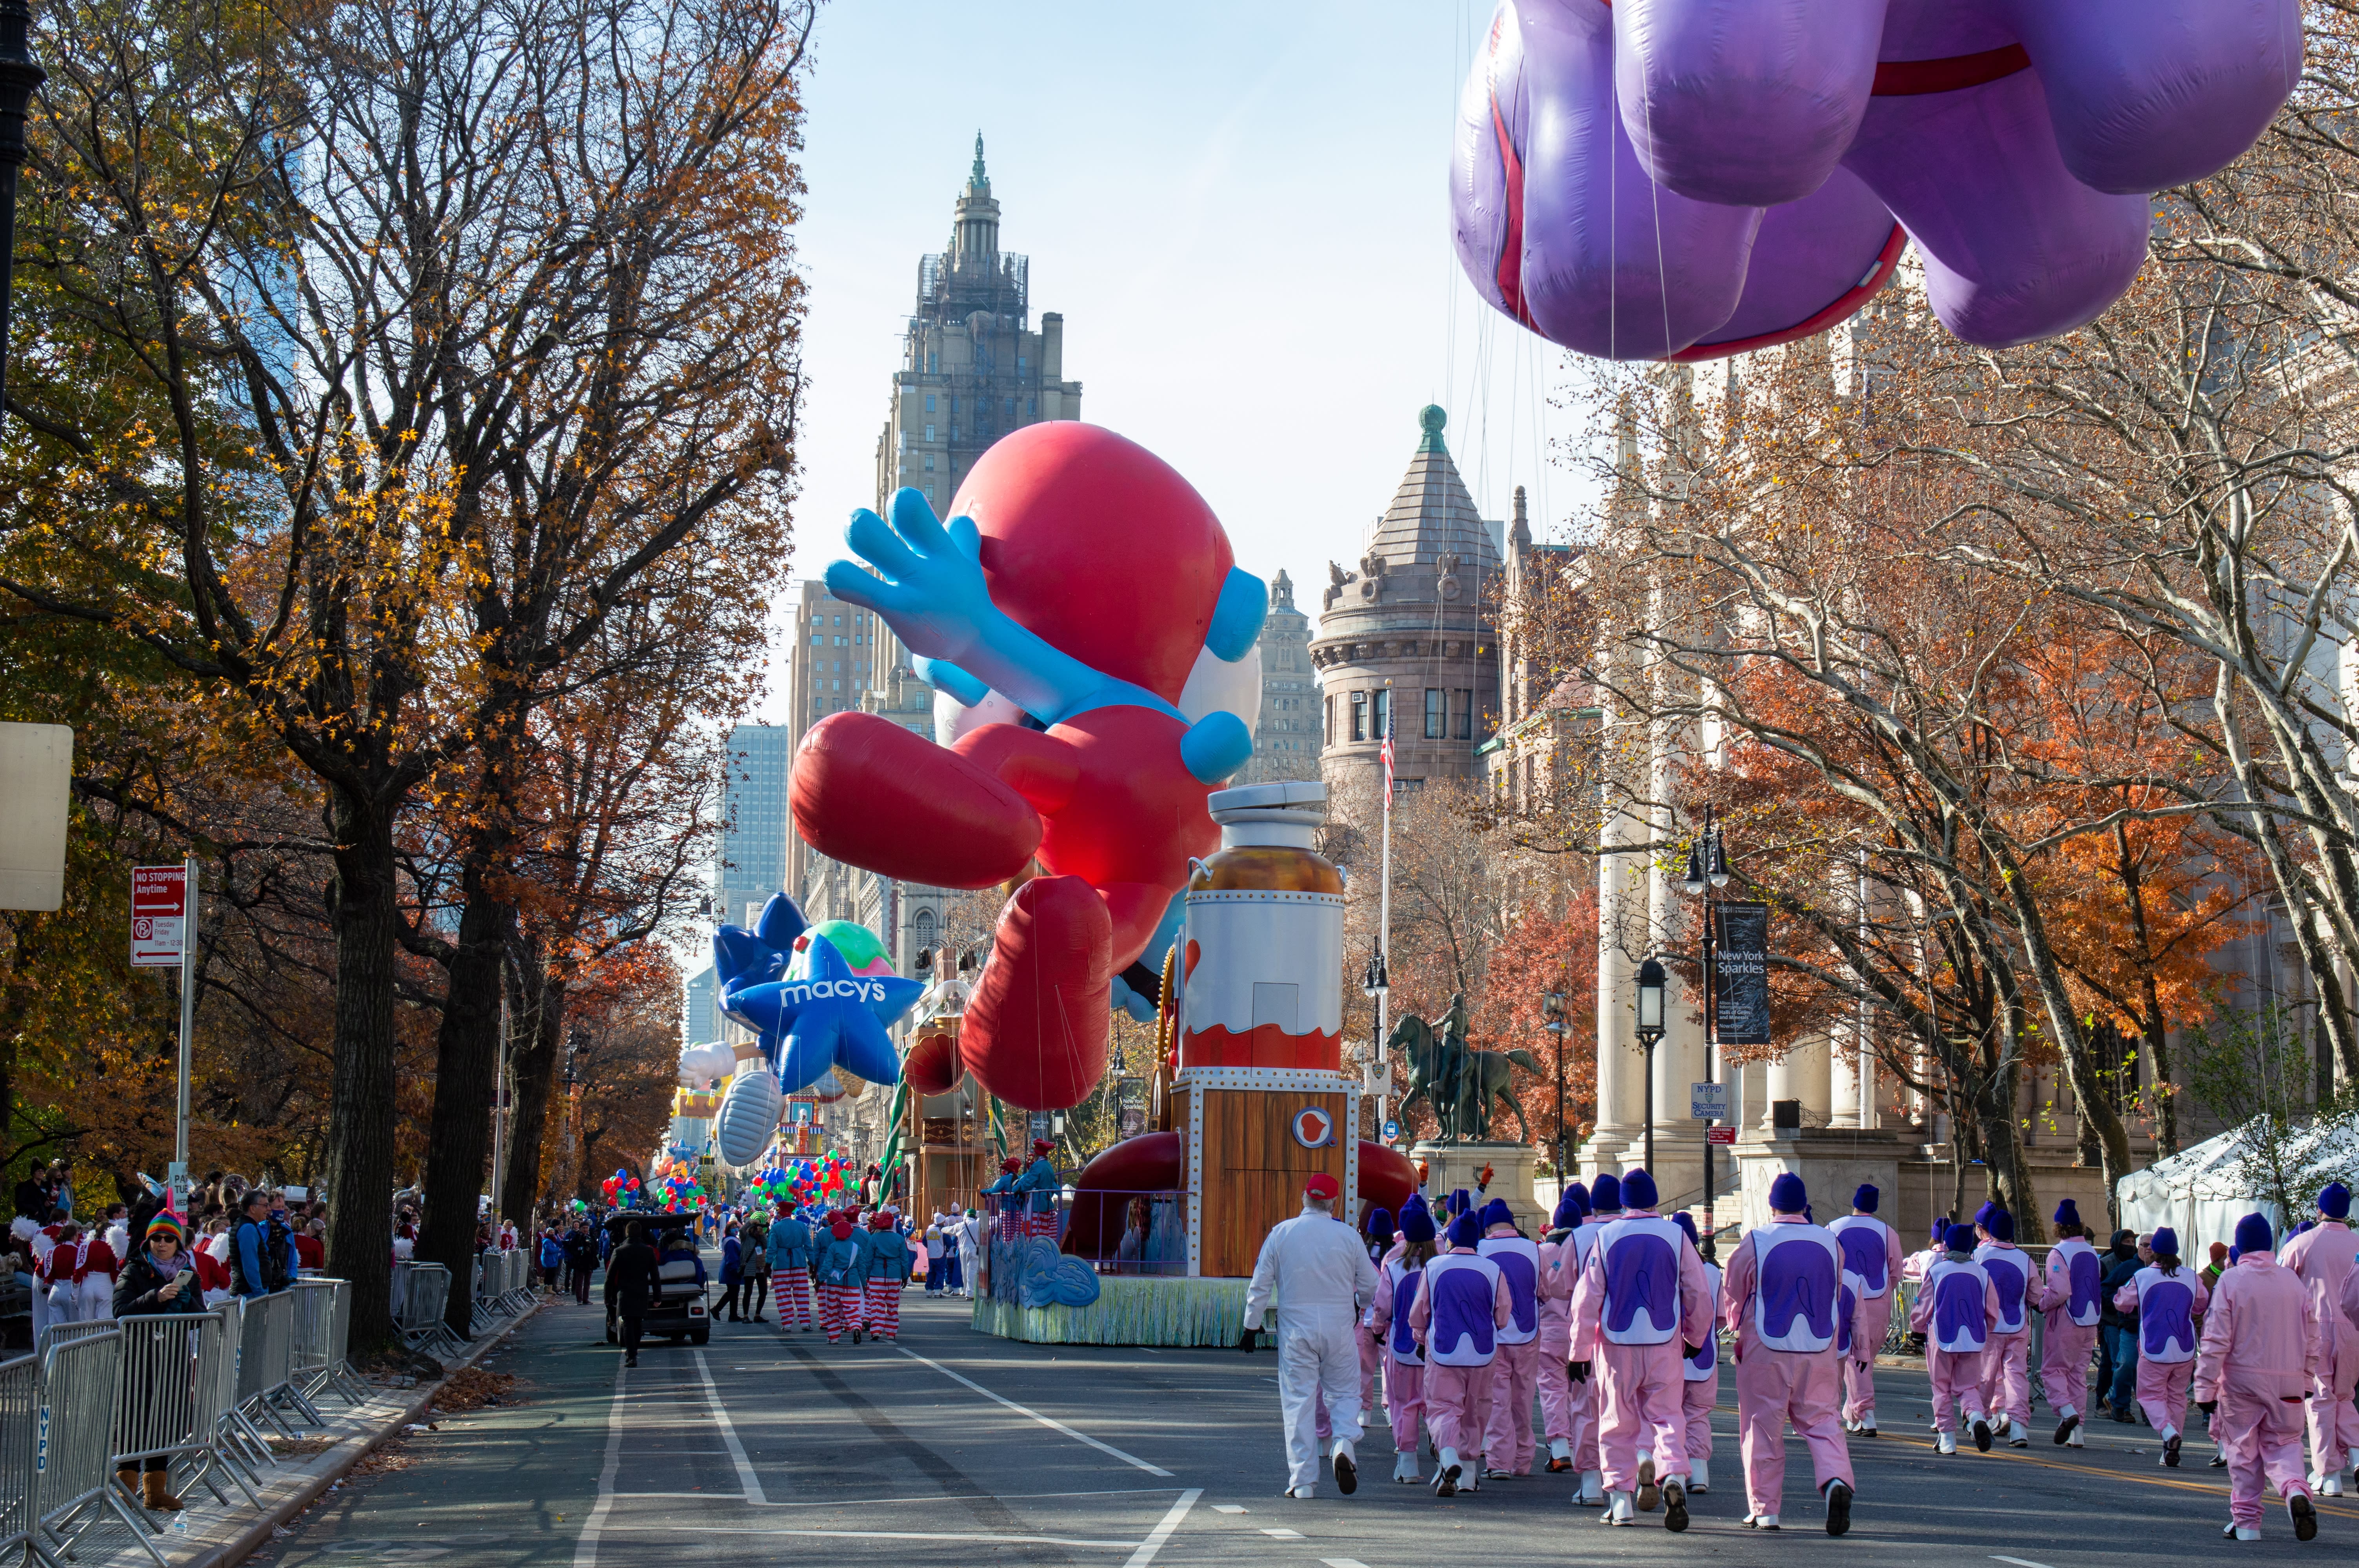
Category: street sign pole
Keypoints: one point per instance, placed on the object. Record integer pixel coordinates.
(179, 1172)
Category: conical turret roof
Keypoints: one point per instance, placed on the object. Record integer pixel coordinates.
(1433, 513)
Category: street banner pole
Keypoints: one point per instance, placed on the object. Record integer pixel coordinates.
(179, 1175)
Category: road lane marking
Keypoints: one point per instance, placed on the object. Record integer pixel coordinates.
(750, 1483)
(2019, 1562)
(1228, 1508)
(1284, 1534)
(1342, 1562)
(585, 1548)
(881, 1535)
(1163, 1529)
(1131, 1459)
(929, 1498)
(2189, 1484)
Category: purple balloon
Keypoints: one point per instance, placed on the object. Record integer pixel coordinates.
(1557, 223)
(1745, 102)
(1815, 262)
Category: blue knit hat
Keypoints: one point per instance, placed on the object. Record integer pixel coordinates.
(1496, 1212)
(1940, 1228)
(1961, 1239)
(1416, 1204)
(1982, 1214)
(1567, 1215)
(2166, 1241)
(1865, 1200)
(1998, 1222)
(1686, 1222)
(1578, 1194)
(1459, 1202)
(1637, 1189)
(1787, 1194)
(2067, 1214)
(1465, 1231)
(2335, 1201)
(1606, 1194)
(2305, 1227)
(1380, 1224)
(2254, 1235)
(1416, 1224)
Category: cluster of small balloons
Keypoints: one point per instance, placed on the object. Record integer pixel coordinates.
(619, 1187)
(803, 1179)
(676, 1185)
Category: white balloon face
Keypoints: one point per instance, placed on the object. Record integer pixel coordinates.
(953, 718)
(1215, 685)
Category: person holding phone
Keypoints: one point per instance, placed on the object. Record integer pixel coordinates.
(160, 1280)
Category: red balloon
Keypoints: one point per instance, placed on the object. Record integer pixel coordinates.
(868, 792)
(1149, 1163)
(933, 1065)
(1037, 1025)
(1062, 503)
(1386, 1177)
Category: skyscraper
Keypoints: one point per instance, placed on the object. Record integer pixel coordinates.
(1286, 732)
(756, 837)
(970, 368)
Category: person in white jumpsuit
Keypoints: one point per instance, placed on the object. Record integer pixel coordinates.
(1319, 1271)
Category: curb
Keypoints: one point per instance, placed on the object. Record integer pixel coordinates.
(338, 1462)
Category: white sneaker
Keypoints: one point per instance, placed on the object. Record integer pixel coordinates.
(1945, 1443)
(1404, 1466)
(2329, 1485)
(1699, 1477)
(2017, 1437)
(1650, 1497)
(1301, 1494)
(1446, 1473)
(2074, 1440)
(1347, 1466)
(1620, 1509)
(2241, 1532)
(1591, 1494)
(1762, 1521)
(1866, 1427)
(1560, 1455)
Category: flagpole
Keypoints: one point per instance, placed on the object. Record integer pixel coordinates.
(1385, 935)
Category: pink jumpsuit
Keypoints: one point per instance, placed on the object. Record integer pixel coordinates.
(2166, 1306)
(1555, 1346)
(1457, 1397)
(1507, 1443)
(1636, 1343)
(2071, 1300)
(1955, 1335)
(2323, 1258)
(2259, 1360)
(1404, 1362)
(1580, 1398)
(2006, 1359)
(1774, 1386)
(1880, 1268)
(1700, 1392)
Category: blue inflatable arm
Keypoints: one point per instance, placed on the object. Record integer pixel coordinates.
(929, 586)
(1215, 746)
(946, 677)
(1237, 617)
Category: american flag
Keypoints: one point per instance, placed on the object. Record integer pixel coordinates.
(1386, 752)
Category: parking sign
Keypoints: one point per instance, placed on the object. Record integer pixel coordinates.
(159, 909)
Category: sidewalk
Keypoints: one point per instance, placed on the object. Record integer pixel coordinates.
(218, 1537)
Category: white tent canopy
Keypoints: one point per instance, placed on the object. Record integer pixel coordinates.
(2202, 1192)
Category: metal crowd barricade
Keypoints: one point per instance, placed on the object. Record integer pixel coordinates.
(19, 1390)
(266, 1361)
(177, 1369)
(242, 1448)
(419, 1316)
(323, 1322)
(66, 1333)
(80, 1389)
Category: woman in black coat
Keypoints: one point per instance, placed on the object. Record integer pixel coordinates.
(157, 1280)
(631, 1287)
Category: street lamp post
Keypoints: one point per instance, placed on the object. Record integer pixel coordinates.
(1552, 1009)
(1376, 985)
(20, 74)
(1651, 1030)
(1708, 870)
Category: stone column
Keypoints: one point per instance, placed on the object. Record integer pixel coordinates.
(1678, 1056)
(1621, 912)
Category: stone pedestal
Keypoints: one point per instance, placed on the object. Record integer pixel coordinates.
(1451, 1165)
(1831, 1160)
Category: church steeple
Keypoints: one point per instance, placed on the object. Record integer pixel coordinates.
(977, 182)
(974, 237)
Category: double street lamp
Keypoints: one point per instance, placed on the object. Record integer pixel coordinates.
(1552, 1012)
(1708, 870)
(1651, 980)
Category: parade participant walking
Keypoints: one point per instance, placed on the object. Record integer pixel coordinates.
(1640, 1309)
(1398, 1279)
(1319, 1273)
(2006, 1369)
(1955, 1311)
(733, 1274)
(1871, 1249)
(2117, 1334)
(1379, 1233)
(581, 1261)
(839, 1279)
(1783, 1302)
(1602, 1206)
(887, 1276)
(1461, 1303)
(1699, 1395)
(2258, 1363)
(789, 1249)
(2167, 1298)
(2323, 1259)
(631, 1276)
(1556, 1390)
(2070, 1298)
(969, 1242)
(1507, 1444)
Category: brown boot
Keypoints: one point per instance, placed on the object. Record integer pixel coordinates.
(158, 1498)
(128, 1478)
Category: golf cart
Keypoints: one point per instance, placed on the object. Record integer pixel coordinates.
(678, 1311)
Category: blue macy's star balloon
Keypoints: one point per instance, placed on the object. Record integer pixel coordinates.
(830, 1017)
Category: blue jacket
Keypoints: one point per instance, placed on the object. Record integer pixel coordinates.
(552, 1252)
(247, 1239)
(840, 1263)
(790, 1245)
(888, 1256)
(1042, 1182)
(733, 1263)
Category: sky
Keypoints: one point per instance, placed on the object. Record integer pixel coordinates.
(1240, 210)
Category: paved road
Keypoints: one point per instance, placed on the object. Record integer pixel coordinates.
(955, 1448)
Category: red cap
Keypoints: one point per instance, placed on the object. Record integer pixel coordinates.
(1322, 1186)
(1042, 1145)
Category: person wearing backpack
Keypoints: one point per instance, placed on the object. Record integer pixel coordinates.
(258, 1267)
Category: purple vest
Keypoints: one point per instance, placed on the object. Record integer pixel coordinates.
(1958, 1324)
(1401, 1342)
(1794, 1292)
(1865, 1250)
(2087, 1275)
(1463, 1290)
(2010, 1269)
(1519, 1262)
(1703, 1367)
(2166, 1305)
(1640, 1258)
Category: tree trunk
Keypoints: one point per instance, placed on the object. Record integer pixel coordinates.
(466, 1071)
(535, 1060)
(362, 1104)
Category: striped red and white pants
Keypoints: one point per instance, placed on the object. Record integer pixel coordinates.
(839, 1309)
(1040, 1223)
(883, 1308)
(1010, 1221)
(791, 1288)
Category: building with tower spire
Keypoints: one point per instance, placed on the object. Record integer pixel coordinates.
(971, 368)
(1405, 637)
(1287, 730)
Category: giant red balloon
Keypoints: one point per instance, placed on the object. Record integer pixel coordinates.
(1098, 546)
(1036, 1033)
(1149, 1163)
(1386, 1177)
(975, 831)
